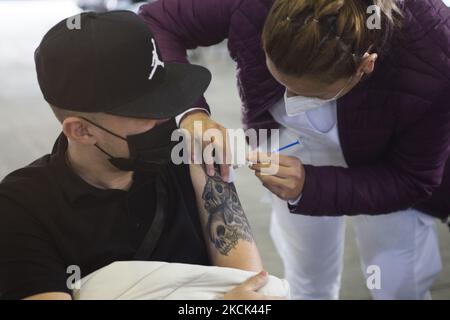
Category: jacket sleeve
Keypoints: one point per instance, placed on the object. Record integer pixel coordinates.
(179, 25)
(408, 174)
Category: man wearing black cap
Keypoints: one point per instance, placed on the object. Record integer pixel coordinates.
(108, 191)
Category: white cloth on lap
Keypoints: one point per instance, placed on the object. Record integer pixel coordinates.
(150, 280)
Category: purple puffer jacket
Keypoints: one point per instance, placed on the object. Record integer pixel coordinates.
(394, 127)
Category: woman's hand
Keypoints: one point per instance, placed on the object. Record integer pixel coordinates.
(285, 178)
(219, 142)
(248, 289)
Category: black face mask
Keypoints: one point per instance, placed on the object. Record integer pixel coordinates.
(149, 151)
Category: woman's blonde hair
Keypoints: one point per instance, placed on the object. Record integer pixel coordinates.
(390, 9)
(325, 39)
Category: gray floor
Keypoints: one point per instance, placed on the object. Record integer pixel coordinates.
(28, 129)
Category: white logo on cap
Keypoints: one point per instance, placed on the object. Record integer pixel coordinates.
(156, 62)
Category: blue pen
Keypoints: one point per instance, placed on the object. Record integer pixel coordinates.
(296, 142)
(287, 146)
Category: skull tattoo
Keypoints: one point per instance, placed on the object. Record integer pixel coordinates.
(227, 223)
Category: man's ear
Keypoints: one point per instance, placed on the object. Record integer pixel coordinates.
(368, 63)
(77, 130)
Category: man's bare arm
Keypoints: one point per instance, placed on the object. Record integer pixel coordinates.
(50, 296)
(226, 228)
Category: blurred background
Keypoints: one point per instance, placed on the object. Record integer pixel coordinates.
(28, 128)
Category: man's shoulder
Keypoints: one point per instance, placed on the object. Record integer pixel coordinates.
(182, 176)
(29, 174)
(181, 170)
(24, 187)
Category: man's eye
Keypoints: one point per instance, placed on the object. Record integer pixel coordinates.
(219, 188)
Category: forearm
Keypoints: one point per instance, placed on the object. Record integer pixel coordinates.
(372, 189)
(226, 228)
(190, 111)
(405, 175)
(50, 296)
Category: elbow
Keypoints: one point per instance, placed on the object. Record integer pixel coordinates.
(424, 188)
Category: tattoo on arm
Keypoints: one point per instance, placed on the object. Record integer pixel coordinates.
(227, 223)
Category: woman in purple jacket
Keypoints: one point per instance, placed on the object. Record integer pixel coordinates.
(368, 98)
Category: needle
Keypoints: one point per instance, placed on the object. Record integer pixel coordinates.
(296, 142)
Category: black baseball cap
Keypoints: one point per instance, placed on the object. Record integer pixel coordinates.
(110, 62)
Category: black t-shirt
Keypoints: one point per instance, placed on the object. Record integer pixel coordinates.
(51, 219)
